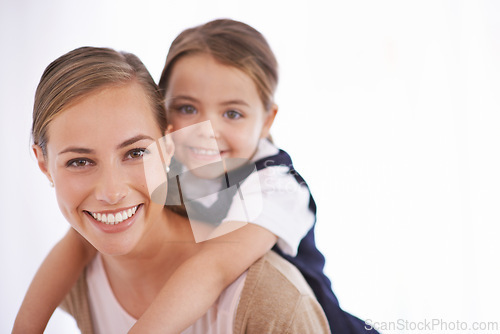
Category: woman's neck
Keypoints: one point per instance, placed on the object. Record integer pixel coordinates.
(137, 278)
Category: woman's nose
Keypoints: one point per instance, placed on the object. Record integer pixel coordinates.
(111, 186)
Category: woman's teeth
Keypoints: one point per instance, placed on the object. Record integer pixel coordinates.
(116, 218)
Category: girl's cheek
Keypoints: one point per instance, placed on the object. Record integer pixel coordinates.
(177, 123)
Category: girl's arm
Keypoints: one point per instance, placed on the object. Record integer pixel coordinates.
(53, 280)
(199, 281)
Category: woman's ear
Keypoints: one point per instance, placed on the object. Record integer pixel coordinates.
(42, 161)
(268, 121)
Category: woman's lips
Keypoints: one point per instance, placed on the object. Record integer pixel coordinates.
(114, 221)
(113, 218)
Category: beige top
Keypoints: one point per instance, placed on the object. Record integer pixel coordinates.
(275, 299)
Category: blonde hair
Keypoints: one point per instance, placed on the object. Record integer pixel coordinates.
(81, 72)
(232, 43)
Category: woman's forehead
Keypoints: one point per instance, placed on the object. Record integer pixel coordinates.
(108, 114)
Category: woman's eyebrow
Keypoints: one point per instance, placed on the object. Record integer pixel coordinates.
(134, 140)
(82, 150)
(73, 149)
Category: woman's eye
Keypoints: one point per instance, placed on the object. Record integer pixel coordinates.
(233, 114)
(187, 110)
(78, 163)
(136, 153)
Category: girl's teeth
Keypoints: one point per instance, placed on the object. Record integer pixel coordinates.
(113, 219)
(202, 151)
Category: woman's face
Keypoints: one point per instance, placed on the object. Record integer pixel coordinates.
(201, 89)
(95, 154)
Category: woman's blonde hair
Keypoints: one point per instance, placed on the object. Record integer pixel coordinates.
(81, 72)
(231, 43)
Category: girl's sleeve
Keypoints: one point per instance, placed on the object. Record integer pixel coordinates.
(273, 199)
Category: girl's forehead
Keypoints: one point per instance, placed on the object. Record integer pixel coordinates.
(203, 74)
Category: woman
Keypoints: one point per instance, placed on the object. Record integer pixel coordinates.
(97, 120)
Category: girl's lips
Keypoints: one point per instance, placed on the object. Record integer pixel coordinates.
(204, 151)
(204, 154)
(115, 221)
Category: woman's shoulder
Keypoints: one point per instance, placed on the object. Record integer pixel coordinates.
(76, 303)
(276, 298)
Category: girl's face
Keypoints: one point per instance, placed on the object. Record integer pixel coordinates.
(203, 89)
(95, 155)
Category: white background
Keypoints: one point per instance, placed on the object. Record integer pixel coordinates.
(390, 109)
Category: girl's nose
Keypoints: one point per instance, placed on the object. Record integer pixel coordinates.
(111, 186)
(209, 128)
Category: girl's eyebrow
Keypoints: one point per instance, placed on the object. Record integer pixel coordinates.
(224, 103)
(232, 102)
(83, 150)
(182, 97)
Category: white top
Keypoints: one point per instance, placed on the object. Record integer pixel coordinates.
(109, 317)
(270, 198)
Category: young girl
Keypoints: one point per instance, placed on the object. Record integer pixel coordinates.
(223, 72)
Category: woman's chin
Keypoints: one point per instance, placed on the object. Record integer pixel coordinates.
(114, 239)
(115, 246)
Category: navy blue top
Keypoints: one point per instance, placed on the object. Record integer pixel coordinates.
(311, 262)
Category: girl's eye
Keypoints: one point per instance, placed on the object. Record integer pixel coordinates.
(233, 114)
(136, 153)
(187, 110)
(79, 163)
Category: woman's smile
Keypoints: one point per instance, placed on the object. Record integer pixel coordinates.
(114, 221)
(95, 157)
(109, 222)
(113, 217)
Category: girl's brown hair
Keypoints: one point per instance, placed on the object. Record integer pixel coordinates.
(232, 43)
(81, 72)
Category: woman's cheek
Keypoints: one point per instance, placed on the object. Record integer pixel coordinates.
(71, 193)
(151, 174)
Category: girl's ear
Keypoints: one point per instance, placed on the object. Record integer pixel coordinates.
(168, 146)
(268, 121)
(42, 162)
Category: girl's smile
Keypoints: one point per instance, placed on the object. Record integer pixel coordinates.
(221, 105)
